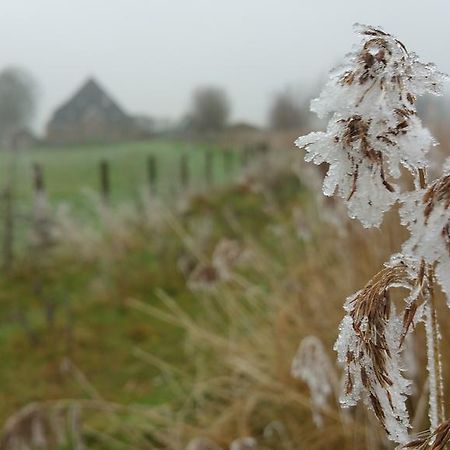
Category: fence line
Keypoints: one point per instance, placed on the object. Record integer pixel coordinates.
(206, 173)
(184, 171)
(38, 178)
(209, 172)
(152, 173)
(8, 228)
(105, 181)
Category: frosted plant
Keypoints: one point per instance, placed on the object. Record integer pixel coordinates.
(202, 443)
(204, 276)
(368, 347)
(43, 425)
(225, 257)
(373, 128)
(436, 440)
(43, 224)
(312, 365)
(245, 443)
(372, 136)
(427, 215)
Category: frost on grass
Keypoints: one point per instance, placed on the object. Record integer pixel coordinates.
(373, 136)
(312, 365)
(426, 213)
(368, 347)
(373, 127)
(202, 443)
(437, 439)
(244, 443)
(433, 381)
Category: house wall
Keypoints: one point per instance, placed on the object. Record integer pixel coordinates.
(90, 132)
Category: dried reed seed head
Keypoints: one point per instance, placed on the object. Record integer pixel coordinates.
(436, 440)
(202, 443)
(204, 277)
(226, 256)
(379, 50)
(37, 426)
(245, 443)
(437, 193)
(438, 196)
(312, 365)
(368, 346)
(227, 250)
(371, 307)
(373, 129)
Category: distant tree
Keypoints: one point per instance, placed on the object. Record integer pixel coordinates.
(286, 112)
(210, 109)
(17, 108)
(17, 102)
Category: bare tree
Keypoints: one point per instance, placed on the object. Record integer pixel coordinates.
(17, 103)
(17, 107)
(286, 112)
(210, 109)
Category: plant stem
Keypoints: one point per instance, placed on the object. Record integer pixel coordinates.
(437, 356)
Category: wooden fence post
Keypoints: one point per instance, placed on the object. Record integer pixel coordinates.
(105, 182)
(263, 148)
(152, 173)
(245, 154)
(209, 173)
(184, 171)
(38, 178)
(227, 162)
(8, 227)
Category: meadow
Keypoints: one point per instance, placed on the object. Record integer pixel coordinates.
(72, 173)
(73, 181)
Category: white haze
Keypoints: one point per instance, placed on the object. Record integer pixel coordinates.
(150, 54)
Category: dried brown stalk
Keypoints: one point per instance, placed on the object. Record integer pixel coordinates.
(436, 440)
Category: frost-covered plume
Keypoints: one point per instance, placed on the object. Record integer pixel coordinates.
(373, 127)
(436, 440)
(312, 365)
(368, 347)
(372, 136)
(244, 443)
(202, 443)
(43, 224)
(426, 213)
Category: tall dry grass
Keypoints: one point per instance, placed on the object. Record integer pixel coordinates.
(259, 298)
(243, 344)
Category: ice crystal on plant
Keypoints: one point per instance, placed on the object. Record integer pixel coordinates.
(373, 128)
(427, 215)
(312, 365)
(368, 347)
(432, 375)
(437, 439)
(44, 225)
(202, 443)
(244, 443)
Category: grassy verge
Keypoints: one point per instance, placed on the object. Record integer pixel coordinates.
(66, 305)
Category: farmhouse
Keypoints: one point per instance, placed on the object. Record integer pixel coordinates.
(90, 115)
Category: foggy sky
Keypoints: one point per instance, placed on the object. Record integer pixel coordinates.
(150, 54)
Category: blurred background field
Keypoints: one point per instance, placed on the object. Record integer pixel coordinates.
(164, 249)
(72, 173)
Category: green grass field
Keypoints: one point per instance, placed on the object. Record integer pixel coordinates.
(72, 173)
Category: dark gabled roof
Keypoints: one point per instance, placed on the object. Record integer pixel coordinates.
(90, 98)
